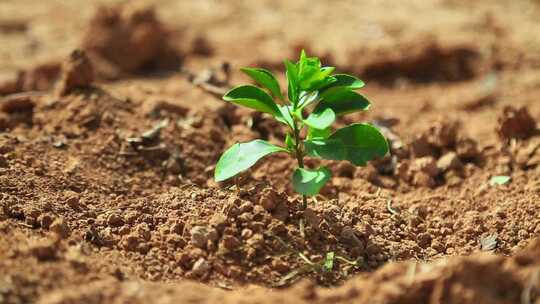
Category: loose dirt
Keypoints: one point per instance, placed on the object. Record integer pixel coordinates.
(111, 125)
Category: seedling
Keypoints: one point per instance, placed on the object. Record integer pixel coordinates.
(316, 97)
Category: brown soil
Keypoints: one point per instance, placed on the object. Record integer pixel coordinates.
(110, 129)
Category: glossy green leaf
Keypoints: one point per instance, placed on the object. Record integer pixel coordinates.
(320, 83)
(310, 182)
(266, 79)
(241, 156)
(292, 81)
(307, 98)
(344, 81)
(342, 102)
(321, 120)
(357, 143)
(254, 98)
(311, 76)
(286, 117)
(318, 133)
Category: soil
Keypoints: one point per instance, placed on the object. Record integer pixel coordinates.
(111, 124)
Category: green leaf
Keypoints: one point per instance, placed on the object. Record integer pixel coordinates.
(329, 261)
(357, 143)
(344, 81)
(499, 180)
(320, 83)
(318, 133)
(310, 182)
(292, 81)
(241, 156)
(254, 98)
(266, 79)
(286, 117)
(311, 76)
(326, 148)
(321, 120)
(307, 98)
(342, 101)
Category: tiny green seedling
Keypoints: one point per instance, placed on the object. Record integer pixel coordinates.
(499, 180)
(316, 97)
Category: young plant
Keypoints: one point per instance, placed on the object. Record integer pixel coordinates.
(316, 97)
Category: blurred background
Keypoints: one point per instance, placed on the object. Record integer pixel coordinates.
(415, 55)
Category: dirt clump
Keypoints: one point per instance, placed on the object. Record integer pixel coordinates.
(428, 62)
(516, 123)
(128, 38)
(77, 73)
(437, 154)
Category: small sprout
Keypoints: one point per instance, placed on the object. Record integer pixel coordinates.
(315, 99)
(499, 180)
(390, 208)
(329, 261)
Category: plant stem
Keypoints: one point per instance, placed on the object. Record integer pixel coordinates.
(299, 157)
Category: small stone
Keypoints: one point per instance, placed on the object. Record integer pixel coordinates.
(131, 242)
(349, 235)
(218, 221)
(17, 105)
(115, 220)
(178, 227)
(72, 200)
(403, 172)
(449, 161)
(420, 147)
(516, 123)
(246, 207)
(268, 199)
(280, 266)
(453, 179)
(43, 250)
(438, 246)
(423, 240)
(422, 179)
(200, 267)
(467, 148)
(246, 233)
(143, 231)
(281, 212)
(199, 236)
(124, 230)
(230, 242)
(245, 217)
(213, 235)
(312, 218)
(427, 165)
(60, 227)
(443, 133)
(144, 248)
(77, 73)
(45, 220)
